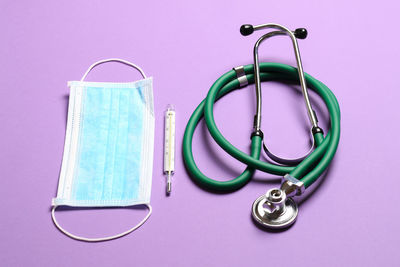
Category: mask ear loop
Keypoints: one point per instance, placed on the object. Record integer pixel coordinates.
(53, 216)
(113, 60)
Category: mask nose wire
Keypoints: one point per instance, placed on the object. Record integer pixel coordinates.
(282, 31)
(113, 60)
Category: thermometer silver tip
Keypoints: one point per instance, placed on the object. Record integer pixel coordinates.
(169, 187)
(169, 183)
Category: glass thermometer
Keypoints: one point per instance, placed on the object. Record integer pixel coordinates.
(169, 145)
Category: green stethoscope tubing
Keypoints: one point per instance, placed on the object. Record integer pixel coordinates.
(308, 171)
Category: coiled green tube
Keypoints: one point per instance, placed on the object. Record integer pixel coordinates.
(307, 171)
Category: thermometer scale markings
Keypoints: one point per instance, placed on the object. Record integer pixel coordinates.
(169, 145)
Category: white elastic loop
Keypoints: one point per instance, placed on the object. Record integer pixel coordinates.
(53, 216)
(112, 60)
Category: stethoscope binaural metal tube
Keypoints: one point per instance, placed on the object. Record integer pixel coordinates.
(301, 33)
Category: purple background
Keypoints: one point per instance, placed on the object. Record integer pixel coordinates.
(352, 219)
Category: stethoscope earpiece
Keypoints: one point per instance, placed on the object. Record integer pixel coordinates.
(301, 33)
(246, 29)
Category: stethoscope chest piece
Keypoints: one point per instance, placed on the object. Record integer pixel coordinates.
(275, 210)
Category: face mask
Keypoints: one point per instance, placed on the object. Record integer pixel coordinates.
(108, 151)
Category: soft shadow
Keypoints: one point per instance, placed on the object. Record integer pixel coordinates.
(213, 156)
(69, 208)
(65, 99)
(317, 185)
(270, 230)
(209, 190)
(268, 180)
(295, 89)
(197, 183)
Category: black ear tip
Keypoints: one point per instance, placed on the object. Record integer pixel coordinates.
(246, 29)
(301, 33)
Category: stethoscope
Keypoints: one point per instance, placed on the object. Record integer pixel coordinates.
(276, 208)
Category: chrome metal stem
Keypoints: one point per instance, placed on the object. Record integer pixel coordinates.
(282, 31)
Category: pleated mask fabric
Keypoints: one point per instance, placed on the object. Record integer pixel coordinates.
(108, 150)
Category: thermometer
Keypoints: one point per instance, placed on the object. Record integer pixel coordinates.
(169, 145)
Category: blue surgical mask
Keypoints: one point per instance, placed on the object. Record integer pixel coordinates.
(108, 151)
